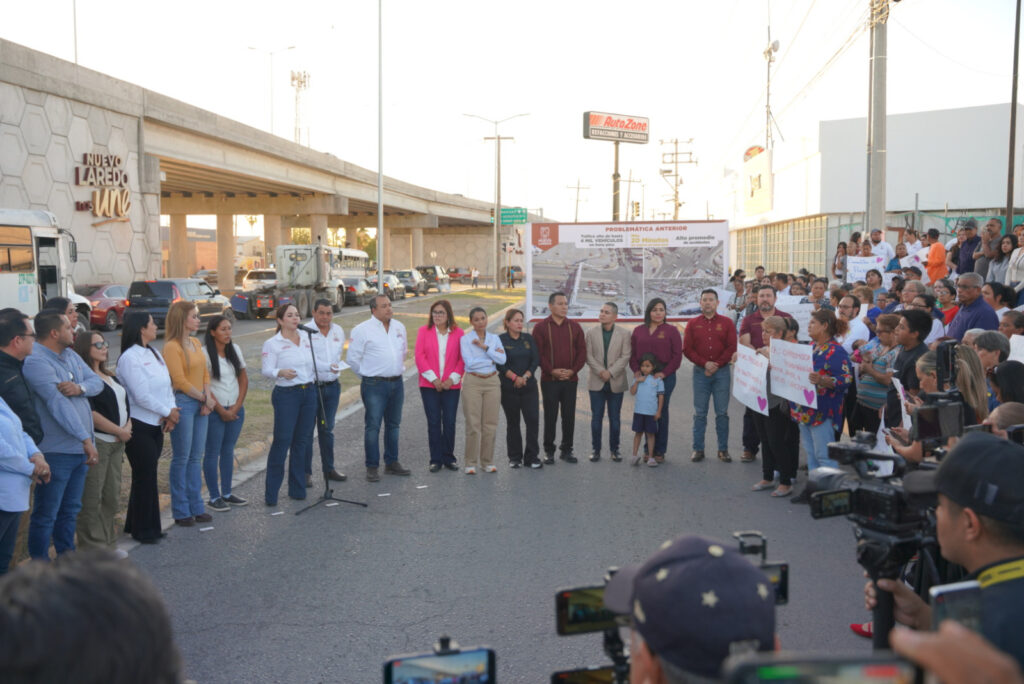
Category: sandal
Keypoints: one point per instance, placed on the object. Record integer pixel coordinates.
(762, 485)
(780, 492)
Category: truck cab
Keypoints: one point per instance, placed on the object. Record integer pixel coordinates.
(36, 257)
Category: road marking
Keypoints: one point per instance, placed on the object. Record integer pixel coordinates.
(385, 494)
(277, 513)
(422, 486)
(205, 529)
(331, 504)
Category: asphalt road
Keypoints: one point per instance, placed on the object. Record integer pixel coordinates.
(329, 595)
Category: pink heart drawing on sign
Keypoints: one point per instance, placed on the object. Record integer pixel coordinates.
(809, 395)
(761, 403)
(878, 260)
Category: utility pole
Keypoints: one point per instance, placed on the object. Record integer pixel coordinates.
(1013, 124)
(875, 210)
(631, 213)
(674, 158)
(300, 81)
(615, 185)
(577, 188)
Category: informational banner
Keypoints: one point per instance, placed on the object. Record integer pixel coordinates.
(800, 308)
(628, 263)
(791, 364)
(1016, 348)
(857, 267)
(749, 379)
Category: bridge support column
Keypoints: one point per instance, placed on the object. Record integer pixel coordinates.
(225, 254)
(318, 228)
(417, 248)
(178, 251)
(272, 236)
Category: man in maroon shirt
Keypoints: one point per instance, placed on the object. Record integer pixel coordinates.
(709, 342)
(563, 352)
(750, 336)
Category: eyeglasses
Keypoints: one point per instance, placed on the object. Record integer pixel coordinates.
(439, 312)
(101, 345)
(27, 334)
(883, 331)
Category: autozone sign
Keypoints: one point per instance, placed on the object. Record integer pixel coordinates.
(604, 126)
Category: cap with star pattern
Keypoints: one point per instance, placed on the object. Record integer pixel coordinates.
(696, 602)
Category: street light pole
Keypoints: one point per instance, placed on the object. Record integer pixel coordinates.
(497, 188)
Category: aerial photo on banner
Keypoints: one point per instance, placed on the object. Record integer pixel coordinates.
(628, 263)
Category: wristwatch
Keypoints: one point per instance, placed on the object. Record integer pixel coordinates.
(82, 387)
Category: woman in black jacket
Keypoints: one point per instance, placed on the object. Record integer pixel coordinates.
(519, 391)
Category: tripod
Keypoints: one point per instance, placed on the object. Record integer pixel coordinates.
(328, 494)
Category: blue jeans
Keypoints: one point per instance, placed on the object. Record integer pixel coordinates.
(8, 534)
(815, 441)
(188, 441)
(598, 401)
(441, 409)
(221, 438)
(295, 410)
(325, 430)
(56, 504)
(705, 387)
(383, 402)
(661, 439)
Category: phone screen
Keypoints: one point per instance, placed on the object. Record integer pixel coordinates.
(960, 601)
(591, 675)
(790, 669)
(473, 666)
(582, 610)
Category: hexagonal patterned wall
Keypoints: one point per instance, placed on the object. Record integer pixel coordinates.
(42, 140)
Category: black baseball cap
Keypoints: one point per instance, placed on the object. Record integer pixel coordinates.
(970, 224)
(983, 473)
(696, 602)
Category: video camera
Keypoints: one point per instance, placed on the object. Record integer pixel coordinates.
(581, 610)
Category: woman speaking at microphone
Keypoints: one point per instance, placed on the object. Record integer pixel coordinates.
(288, 359)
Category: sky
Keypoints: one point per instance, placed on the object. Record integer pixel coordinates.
(695, 69)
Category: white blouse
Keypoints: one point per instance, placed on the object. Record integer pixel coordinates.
(225, 389)
(280, 353)
(144, 375)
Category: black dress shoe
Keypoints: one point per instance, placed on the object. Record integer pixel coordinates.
(568, 457)
(434, 467)
(616, 456)
(149, 540)
(549, 459)
(335, 476)
(595, 456)
(453, 466)
(515, 464)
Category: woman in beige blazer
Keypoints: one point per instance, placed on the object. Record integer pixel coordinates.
(608, 350)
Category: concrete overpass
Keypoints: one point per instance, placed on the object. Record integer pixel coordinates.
(178, 159)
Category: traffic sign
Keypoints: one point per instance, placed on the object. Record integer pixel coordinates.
(511, 215)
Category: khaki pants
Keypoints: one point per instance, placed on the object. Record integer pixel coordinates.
(100, 498)
(481, 403)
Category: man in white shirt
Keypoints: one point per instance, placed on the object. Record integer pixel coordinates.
(880, 247)
(857, 335)
(377, 355)
(328, 343)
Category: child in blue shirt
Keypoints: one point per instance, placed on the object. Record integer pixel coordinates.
(650, 397)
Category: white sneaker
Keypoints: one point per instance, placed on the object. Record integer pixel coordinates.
(651, 463)
(490, 469)
(120, 554)
(470, 470)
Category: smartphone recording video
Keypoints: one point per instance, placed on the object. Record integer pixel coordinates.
(582, 610)
(471, 666)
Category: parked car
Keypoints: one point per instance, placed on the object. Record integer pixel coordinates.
(359, 291)
(207, 274)
(460, 275)
(259, 279)
(393, 287)
(414, 281)
(155, 297)
(436, 276)
(517, 274)
(107, 304)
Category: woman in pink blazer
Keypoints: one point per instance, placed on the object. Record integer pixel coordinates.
(439, 362)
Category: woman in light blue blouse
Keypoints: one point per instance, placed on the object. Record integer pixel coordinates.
(481, 391)
(21, 464)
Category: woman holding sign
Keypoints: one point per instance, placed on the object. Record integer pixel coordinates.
(777, 432)
(830, 378)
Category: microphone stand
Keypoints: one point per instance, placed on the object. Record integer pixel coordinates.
(328, 494)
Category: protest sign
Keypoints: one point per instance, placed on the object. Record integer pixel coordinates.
(1016, 348)
(791, 364)
(902, 394)
(749, 380)
(857, 267)
(800, 308)
(918, 261)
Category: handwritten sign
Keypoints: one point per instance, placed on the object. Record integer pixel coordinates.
(902, 394)
(919, 261)
(749, 381)
(1016, 348)
(857, 267)
(800, 308)
(791, 364)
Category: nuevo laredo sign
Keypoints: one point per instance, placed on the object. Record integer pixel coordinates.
(111, 198)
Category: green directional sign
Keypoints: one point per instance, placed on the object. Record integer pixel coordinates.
(511, 215)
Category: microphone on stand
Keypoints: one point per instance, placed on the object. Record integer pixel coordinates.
(307, 329)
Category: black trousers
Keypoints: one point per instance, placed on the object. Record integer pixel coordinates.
(850, 412)
(521, 403)
(558, 396)
(142, 519)
(750, 438)
(780, 444)
(867, 418)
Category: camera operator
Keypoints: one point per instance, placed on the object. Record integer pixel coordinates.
(980, 525)
(693, 604)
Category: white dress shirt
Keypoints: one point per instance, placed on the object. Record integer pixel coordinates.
(481, 361)
(144, 374)
(280, 353)
(328, 351)
(374, 352)
(913, 247)
(857, 331)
